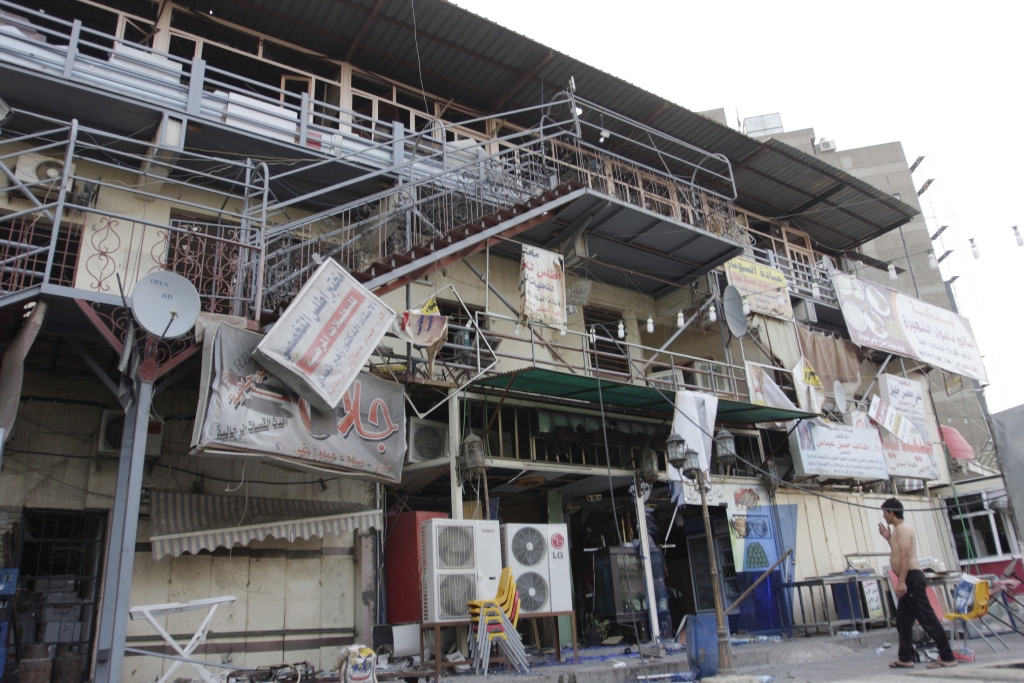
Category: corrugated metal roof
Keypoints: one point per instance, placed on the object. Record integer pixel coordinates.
(478, 63)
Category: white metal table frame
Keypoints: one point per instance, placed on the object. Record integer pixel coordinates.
(151, 612)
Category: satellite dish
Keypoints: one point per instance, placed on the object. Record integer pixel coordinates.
(839, 395)
(732, 308)
(165, 304)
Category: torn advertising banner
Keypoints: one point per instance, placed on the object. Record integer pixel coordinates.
(763, 287)
(542, 286)
(325, 336)
(887, 320)
(250, 410)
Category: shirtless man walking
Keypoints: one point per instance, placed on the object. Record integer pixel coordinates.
(911, 590)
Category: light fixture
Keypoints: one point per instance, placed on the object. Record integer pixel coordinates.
(621, 331)
(782, 298)
(932, 261)
(518, 328)
(974, 249)
(604, 136)
(593, 334)
(1016, 234)
(473, 455)
(561, 332)
(726, 443)
(680, 319)
(650, 324)
(893, 275)
(5, 112)
(746, 307)
(683, 458)
(712, 314)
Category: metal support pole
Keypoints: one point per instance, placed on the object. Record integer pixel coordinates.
(725, 664)
(62, 191)
(121, 556)
(645, 556)
(454, 443)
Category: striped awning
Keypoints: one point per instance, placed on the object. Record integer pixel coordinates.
(187, 523)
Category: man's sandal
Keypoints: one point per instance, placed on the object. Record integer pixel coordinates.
(942, 664)
(899, 664)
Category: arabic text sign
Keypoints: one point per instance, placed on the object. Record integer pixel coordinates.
(884, 319)
(837, 451)
(542, 286)
(764, 288)
(891, 419)
(912, 458)
(325, 336)
(250, 410)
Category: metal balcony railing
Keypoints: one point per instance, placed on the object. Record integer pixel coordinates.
(90, 230)
(805, 281)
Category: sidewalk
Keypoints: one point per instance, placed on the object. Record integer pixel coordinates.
(815, 659)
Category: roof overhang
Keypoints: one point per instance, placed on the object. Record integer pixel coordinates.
(564, 386)
(459, 55)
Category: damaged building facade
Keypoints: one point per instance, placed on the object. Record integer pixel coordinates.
(605, 262)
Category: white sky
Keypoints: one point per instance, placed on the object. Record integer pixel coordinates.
(944, 79)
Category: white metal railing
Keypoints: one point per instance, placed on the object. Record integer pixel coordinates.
(808, 282)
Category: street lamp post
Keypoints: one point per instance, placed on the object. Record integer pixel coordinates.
(687, 461)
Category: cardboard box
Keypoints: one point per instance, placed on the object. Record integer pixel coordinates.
(52, 584)
(62, 611)
(62, 632)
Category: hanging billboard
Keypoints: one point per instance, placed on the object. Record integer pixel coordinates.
(761, 286)
(837, 452)
(246, 410)
(887, 320)
(542, 286)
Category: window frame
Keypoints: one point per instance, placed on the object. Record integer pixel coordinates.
(968, 504)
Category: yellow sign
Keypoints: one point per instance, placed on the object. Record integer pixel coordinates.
(762, 287)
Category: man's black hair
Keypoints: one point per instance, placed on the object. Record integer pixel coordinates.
(894, 506)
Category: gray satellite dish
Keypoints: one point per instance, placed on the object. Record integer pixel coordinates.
(165, 304)
(732, 309)
(839, 394)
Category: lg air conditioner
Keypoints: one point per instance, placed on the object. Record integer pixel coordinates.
(47, 171)
(538, 555)
(461, 562)
(427, 440)
(112, 431)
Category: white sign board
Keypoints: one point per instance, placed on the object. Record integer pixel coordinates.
(837, 451)
(911, 458)
(542, 286)
(325, 336)
(884, 319)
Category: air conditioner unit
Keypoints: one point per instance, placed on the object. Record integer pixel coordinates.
(703, 377)
(538, 555)
(427, 440)
(32, 168)
(461, 562)
(805, 311)
(112, 429)
(827, 145)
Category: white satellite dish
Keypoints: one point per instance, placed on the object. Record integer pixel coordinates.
(165, 304)
(839, 395)
(732, 308)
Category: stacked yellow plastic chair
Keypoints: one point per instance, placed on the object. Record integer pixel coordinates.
(977, 613)
(494, 623)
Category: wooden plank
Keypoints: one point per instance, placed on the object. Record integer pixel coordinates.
(267, 589)
(337, 603)
(303, 594)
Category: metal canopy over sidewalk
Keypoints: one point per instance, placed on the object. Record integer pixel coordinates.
(552, 384)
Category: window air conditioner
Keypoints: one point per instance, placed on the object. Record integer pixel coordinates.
(827, 145)
(427, 440)
(538, 555)
(112, 429)
(461, 562)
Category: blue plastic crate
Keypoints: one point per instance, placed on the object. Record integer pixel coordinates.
(8, 581)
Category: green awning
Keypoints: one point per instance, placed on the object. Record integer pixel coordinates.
(562, 385)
